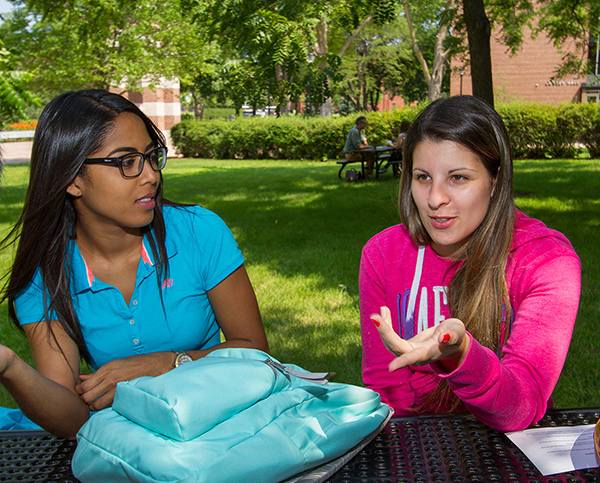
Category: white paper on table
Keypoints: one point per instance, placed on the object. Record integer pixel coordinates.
(558, 449)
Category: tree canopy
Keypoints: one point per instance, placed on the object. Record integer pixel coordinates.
(100, 43)
(14, 95)
(275, 52)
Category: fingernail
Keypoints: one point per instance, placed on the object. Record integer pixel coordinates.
(375, 321)
(446, 338)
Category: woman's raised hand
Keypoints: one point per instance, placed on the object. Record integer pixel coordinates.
(447, 343)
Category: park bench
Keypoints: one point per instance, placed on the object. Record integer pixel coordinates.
(395, 163)
(382, 153)
(345, 162)
(393, 159)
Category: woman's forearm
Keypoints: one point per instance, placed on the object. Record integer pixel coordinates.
(54, 407)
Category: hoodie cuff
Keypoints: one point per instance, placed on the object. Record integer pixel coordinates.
(466, 369)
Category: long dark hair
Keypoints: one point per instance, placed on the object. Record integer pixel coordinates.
(71, 127)
(478, 294)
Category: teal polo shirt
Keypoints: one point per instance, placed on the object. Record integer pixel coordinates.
(174, 314)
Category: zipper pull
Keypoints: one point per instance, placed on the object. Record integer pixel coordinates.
(316, 377)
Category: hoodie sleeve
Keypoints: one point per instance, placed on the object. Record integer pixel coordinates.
(375, 280)
(513, 392)
(375, 358)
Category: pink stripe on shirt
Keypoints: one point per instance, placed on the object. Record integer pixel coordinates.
(145, 255)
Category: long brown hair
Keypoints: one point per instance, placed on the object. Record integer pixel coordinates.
(478, 294)
(71, 127)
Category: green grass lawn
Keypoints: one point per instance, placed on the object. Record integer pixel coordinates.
(302, 230)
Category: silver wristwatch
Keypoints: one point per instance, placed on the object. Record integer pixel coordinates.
(181, 357)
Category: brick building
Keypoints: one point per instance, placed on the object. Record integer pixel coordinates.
(390, 103)
(530, 75)
(160, 104)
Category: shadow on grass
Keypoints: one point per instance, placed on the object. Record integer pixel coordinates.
(566, 196)
(303, 223)
(11, 201)
(299, 220)
(288, 336)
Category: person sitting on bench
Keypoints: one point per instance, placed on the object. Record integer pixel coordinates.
(396, 158)
(356, 141)
(404, 125)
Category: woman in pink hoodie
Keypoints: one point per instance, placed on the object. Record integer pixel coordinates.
(474, 301)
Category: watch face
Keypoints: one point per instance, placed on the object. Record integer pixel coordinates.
(182, 359)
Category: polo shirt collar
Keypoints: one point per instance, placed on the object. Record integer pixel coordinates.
(148, 256)
(83, 277)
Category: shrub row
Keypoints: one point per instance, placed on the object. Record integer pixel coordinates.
(291, 137)
(548, 131)
(535, 131)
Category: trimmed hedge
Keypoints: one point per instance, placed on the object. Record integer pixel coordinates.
(281, 138)
(535, 130)
(550, 131)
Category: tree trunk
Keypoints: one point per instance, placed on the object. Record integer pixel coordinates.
(282, 104)
(196, 106)
(354, 100)
(440, 58)
(415, 45)
(435, 78)
(479, 33)
(322, 49)
(376, 94)
(354, 34)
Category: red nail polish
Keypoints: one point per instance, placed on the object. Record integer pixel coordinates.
(375, 321)
(446, 338)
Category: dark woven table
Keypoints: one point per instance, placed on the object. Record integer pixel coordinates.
(456, 448)
(35, 456)
(425, 449)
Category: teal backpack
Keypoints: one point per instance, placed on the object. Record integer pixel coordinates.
(234, 415)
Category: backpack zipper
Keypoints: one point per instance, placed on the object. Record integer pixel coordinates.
(316, 377)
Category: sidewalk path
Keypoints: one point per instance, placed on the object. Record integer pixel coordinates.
(20, 151)
(16, 152)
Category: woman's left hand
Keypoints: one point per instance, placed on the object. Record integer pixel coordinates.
(235, 307)
(98, 389)
(447, 343)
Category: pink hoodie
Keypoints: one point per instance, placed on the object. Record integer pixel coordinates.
(507, 393)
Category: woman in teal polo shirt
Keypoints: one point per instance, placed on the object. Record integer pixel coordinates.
(108, 270)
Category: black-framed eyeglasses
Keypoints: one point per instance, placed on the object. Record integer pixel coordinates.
(132, 164)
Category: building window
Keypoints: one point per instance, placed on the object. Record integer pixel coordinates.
(594, 55)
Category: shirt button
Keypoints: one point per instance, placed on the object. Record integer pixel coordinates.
(135, 302)
(136, 341)
(132, 321)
